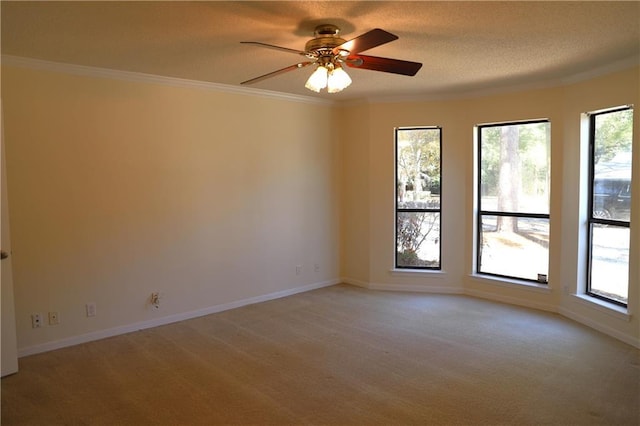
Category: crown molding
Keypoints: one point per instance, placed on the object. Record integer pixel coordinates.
(611, 68)
(88, 71)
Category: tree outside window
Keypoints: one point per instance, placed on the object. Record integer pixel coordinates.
(418, 192)
(513, 199)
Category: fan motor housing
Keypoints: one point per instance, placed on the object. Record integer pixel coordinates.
(326, 38)
(321, 43)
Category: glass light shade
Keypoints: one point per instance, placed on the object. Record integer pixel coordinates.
(317, 80)
(338, 80)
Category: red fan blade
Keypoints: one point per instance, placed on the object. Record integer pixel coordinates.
(366, 41)
(375, 63)
(274, 73)
(271, 46)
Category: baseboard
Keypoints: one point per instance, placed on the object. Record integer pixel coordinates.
(142, 325)
(416, 288)
(511, 300)
(355, 282)
(633, 341)
(449, 290)
(111, 332)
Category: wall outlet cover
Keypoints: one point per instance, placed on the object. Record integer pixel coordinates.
(54, 318)
(36, 320)
(91, 309)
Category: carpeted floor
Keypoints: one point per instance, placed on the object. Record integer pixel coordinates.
(338, 355)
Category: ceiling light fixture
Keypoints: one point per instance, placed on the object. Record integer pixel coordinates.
(338, 80)
(330, 75)
(318, 80)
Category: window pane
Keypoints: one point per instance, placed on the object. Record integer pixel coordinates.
(418, 167)
(515, 168)
(418, 197)
(610, 196)
(514, 247)
(610, 262)
(612, 166)
(418, 241)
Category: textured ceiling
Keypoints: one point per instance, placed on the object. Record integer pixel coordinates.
(465, 47)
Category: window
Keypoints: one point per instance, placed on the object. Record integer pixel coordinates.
(513, 200)
(610, 139)
(418, 193)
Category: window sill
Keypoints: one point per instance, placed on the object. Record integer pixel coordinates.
(434, 273)
(616, 311)
(511, 283)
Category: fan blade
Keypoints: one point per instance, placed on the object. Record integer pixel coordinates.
(282, 71)
(375, 63)
(366, 41)
(271, 46)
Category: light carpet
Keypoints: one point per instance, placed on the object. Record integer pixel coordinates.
(340, 355)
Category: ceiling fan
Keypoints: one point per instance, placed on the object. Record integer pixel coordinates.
(330, 52)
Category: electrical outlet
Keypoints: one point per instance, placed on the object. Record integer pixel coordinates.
(91, 309)
(298, 269)
(36, 320)
(54, 318)
(316, 268)
(155, 300)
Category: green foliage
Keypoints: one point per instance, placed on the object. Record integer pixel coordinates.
(419, 158)
(613, 134)
(490, 157)
(411, 258)
(534, 165)
(534, 154)
(412, 231)
(408, 258)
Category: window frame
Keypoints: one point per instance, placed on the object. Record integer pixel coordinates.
(398, 210)
(480, 213)
(591, 220)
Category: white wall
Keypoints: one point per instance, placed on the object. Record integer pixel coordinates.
(121, 188)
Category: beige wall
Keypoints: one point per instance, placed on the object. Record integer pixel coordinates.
(356, 226)
(121, 188)
(562, 105)
(604, 92)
